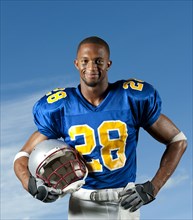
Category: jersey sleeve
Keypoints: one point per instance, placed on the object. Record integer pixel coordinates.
(46, 119)
(151, 108)
(146, 104)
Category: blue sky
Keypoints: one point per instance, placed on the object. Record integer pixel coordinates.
(149, 40)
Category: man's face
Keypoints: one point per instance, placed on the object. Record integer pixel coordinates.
(92, 62)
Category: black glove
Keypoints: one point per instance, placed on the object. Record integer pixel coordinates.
(40, 191)
(137, 196)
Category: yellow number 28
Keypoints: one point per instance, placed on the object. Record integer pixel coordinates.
(108, 144)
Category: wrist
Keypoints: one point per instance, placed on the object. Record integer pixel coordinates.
(156, 188)
(25, 183)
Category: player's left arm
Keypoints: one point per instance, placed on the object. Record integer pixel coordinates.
(165, 131)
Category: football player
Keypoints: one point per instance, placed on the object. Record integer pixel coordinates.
(101, 120)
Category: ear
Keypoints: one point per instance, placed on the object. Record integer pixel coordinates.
(76, 64)
(109, 64)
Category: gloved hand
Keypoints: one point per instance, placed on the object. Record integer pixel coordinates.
(40, 191)
(137, 196)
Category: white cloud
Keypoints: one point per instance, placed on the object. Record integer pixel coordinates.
(17, 119)
(16, 126)
(15, 198)
(41, 82)
(16, 203)
(177, 179)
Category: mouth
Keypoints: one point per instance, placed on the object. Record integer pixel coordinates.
(92, 75)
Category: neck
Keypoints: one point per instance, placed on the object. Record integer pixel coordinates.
(94, 95)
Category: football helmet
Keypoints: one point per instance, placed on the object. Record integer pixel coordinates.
(58, 165)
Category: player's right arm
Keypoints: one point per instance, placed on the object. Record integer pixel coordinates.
(45, 110)
(21, 164)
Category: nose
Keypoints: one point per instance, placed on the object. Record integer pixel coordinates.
(91, 65)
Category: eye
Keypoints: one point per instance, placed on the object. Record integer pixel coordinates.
(99, 61)
(84, 61)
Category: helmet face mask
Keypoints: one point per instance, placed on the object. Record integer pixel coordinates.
(58, 165)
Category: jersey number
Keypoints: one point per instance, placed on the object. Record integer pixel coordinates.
(57, 94)
(108, 144)
(134, 85)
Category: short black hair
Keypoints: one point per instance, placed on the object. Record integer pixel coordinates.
(94, 40)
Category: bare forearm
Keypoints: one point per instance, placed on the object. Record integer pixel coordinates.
(21, 171)
(168, 164)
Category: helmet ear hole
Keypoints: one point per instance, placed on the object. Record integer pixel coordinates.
(41, 171)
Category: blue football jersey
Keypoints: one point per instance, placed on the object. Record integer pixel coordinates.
(105, 135)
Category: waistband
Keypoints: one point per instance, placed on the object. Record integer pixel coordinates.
(101, 195)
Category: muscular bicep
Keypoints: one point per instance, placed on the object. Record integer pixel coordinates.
(34, 139)
(163, 130)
